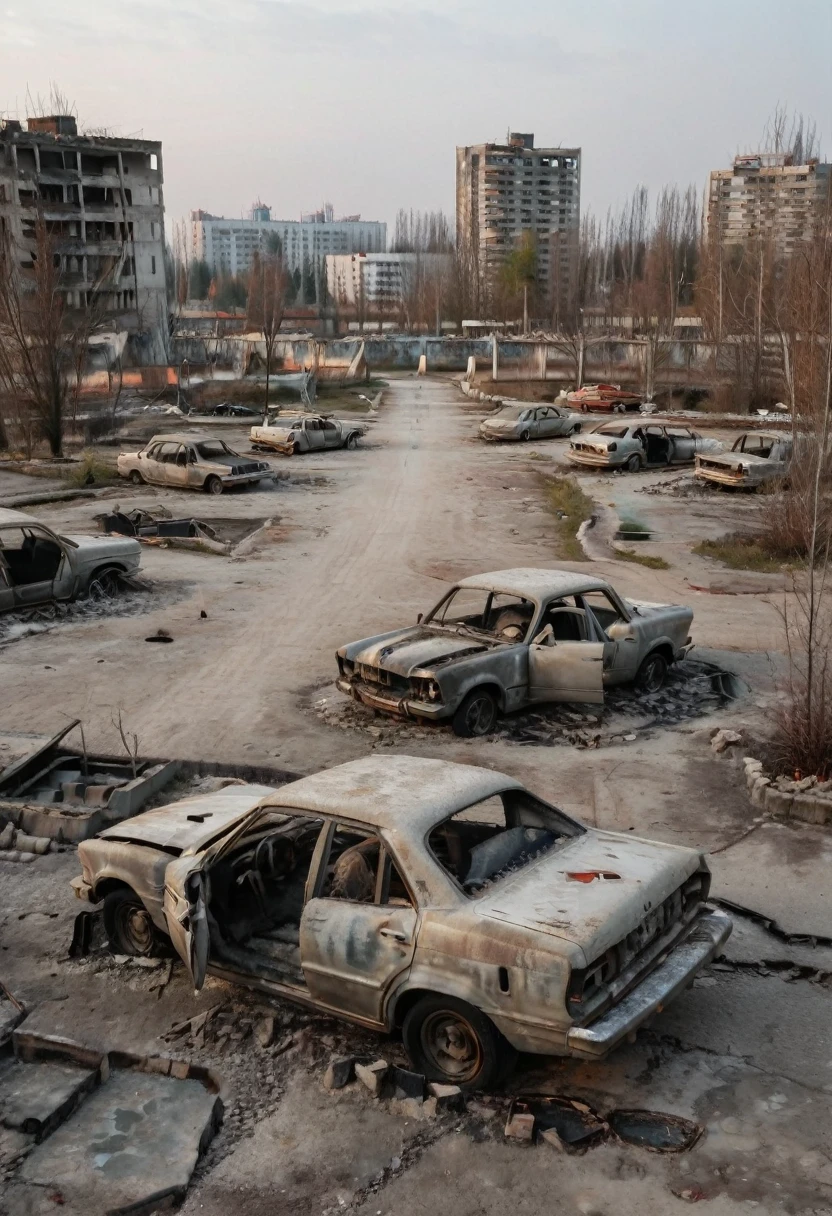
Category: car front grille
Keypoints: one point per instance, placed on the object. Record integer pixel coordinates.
(381, 678)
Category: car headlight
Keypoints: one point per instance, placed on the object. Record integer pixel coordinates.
(425, 689)
(612, 447)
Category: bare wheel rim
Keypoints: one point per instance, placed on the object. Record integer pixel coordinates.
(451, 1045)
(104, 586)
(479, 717)
(652, 678)
(134, 927)
(634, 464)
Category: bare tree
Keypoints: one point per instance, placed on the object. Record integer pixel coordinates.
(267, 304)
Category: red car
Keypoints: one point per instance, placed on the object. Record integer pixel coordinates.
(604, 398)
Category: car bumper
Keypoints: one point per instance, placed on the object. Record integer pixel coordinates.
(245, 479)
(726, 478)
(506, 437)
(683, 963)
(595, 460)
(82, 889)
(405, 707)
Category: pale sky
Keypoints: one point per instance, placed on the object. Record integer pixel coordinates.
(362, 102)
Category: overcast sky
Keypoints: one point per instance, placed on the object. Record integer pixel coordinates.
(362, 102)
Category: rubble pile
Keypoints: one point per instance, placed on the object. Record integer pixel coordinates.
(128, 602)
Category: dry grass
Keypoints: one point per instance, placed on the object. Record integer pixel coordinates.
(651, 560)
(92, 471)
(741, 552)
(571, 507)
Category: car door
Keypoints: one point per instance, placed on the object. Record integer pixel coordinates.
(682, 444)
(34, 560)
(356, 941)
(314, 434)
(166, 461)
(176, 469)
(331, 433)
(564, 663)
(151, 466)
(6, 592)
(185, 905)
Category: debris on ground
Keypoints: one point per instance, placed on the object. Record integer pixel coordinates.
(131, 597)
(155, 527)
(571, 1124)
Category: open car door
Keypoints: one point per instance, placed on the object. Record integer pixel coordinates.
(186, 911)
(563, 669)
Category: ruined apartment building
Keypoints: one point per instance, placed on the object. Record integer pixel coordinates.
(102, 201)
(506, 190)
(381, 281)
(766, 196)
(227, 246)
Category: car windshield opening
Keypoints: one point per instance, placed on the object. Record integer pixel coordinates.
(617, 432)
(502, 616)
(211, 448)
(497, 837)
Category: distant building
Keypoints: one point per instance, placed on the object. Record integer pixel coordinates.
(378, 282)
(506, 190)
(227, 246)
(766, 195)
(102, 199)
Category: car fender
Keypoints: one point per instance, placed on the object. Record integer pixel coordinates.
(140, 869)
(505, 670)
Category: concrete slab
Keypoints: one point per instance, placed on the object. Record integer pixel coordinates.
(134, 1142)
(36, 1098)
(781, 870)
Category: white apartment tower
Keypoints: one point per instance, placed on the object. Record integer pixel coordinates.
(766, 196)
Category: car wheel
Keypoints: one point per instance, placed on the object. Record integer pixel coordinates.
(584, 407)
(104, 584)
(352, 441)
(213, 485)
(525, 436)
(651, 675)
(634, 463)
(452, 1042)
(129, 925)
(136, 478)
(576, 430)
(476, 715)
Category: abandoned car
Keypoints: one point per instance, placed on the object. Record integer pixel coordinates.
(516, 421)
(512, 638)
(39, 566)
(604, 398)
(400, 892)
(639, 445)
(305, 433)
(191, 462)
(756, 458)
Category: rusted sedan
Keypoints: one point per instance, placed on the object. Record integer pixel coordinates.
(397, 892)
(502, 641)
(604, 398)
(518, 421)
(639, 445)
(192, 462)
(305, 433)
(756, 459)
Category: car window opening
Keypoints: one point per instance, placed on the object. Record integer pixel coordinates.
(211, 448)
(493, 839)
(504, 617)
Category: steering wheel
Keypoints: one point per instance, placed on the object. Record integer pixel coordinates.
(274, 856)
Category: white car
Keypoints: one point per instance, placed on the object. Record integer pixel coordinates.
(191, 462)
(524, 422)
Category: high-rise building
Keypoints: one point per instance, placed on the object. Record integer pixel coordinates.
(227, 246)
(506, 190)
(380, 281)
(766, 196)
(102, 201)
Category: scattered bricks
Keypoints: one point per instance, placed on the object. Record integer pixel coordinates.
(406, 1084)
(32, 844)
(408, 1108)
(180, 1069)
(7, 836)
(372, 1075)
(447, 1097)
(520, 1125)
(777, 802)
(340, 1072)
(758, 792)
(429, 1108)
(264, 1031)
(811, 810)
(805, 784)
(723, 739)
(750, 762)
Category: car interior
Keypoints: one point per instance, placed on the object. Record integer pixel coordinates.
(486, 842)
(30, 558)
(256, 892)
(506, 617)
(756, 445)
(578, 618)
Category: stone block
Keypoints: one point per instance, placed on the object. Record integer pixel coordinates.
(777, 802)
(340, 1071)
(520, 1126)
(372, 1075)
(811, 809)
(448, 1097)
(406, 1084)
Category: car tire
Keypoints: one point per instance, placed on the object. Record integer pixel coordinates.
(213, 485)
(477, 715)
(136, 478)
(104, 584)
(129, 926)
(633, 463)
(525, 436)
(352, 442)
(584, 407)
(576, 430)
(454, 1043)
(651, 674)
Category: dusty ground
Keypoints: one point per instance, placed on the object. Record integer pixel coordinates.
(353, 543)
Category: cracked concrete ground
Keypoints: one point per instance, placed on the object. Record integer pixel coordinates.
(747, 1052)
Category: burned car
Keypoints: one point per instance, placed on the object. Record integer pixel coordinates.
(192, 462)
(512, 638)
(397, 892)
(305, 433)
(639, 445)
(755, 459)
(39, 566)
(517, 421)
(604, 398)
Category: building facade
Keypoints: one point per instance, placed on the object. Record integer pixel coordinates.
(227, 246)
(766, 196)
(380, 282)
(504, 191)
(102, 200)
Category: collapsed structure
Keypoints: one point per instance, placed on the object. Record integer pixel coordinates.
(766, 196)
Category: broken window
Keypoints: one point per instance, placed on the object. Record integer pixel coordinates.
(211, 448)
(29, 555)
(605, 611)
(501, 615)
(497, 837)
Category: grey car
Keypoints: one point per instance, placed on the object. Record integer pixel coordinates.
(519, 422)
(404, 893)
(305, 433)
(639, 445)
(756, 458)
(39, 566)
(192, 462)
(503, 641)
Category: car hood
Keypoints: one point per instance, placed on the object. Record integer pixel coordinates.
(417, 648)
(592, 915)
(186, 826)
(105, 546)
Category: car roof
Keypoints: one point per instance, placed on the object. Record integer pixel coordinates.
(531, 583)
(403, 795)
(199, 437)
(9, 516)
